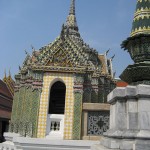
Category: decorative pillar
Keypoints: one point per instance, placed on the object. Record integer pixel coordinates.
(94, 93)
(36, 94)
(78, 96)
(101, 90)
(87, 88)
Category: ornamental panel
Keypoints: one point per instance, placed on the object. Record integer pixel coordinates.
(98, 122)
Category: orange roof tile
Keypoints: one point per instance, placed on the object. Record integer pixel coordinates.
(121, 84)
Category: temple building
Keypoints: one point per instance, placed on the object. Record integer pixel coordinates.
(6, 100)
(61, 89)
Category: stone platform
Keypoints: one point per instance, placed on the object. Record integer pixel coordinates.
(129, 119)
(100, 147)
(15, 142)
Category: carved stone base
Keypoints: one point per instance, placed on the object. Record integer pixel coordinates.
(129, 119)
(122, 144)
(137, 73)
(118, 144)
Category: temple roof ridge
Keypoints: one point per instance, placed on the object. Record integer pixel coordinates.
(68, 50)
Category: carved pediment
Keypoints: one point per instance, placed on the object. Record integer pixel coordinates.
(61, 59)
(70, 52)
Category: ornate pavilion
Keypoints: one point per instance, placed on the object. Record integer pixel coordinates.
(61, 89)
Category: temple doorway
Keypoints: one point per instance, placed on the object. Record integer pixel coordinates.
(57, 98)
(56, 109)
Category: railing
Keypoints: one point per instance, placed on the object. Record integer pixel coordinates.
(55, 126)
(7, 146)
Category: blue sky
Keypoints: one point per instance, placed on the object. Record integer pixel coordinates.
(103, 24)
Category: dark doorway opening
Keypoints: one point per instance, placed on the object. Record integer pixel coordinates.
(57, 98)
(4, 128)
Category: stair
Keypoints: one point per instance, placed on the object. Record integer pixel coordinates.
(21, 143)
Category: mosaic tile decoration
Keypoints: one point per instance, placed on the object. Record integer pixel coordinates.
(48, 80)
(77, 116)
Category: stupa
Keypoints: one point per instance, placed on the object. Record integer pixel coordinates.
(130, 106)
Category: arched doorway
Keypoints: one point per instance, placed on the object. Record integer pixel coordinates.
(57, 98)
(55, 119)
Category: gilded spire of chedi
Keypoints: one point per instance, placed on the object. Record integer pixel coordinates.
(141, 22)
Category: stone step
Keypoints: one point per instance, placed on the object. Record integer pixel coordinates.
(100, 147)
(20, 143)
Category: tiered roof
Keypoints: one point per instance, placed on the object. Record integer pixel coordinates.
(67, 53)
(106, 66)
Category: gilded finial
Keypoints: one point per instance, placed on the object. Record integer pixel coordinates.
(19, 68)
(9, 73)
(5, 74)
(112, 57)
(33, 49)
(107, 51)
(62, 33)
(26, 52)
